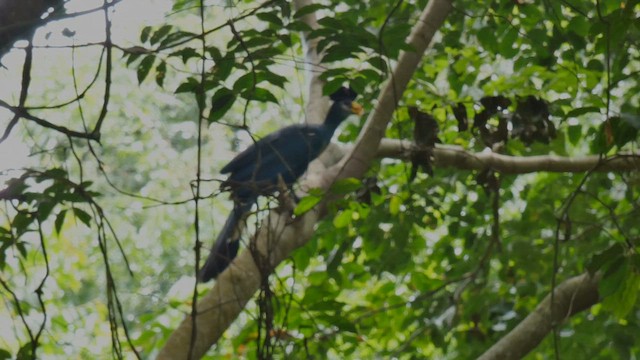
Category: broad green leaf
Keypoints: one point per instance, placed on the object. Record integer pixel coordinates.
(613, 279)
(331, 86)
(160, 34)
(82, 216)
(394, 205)
(306, 203)
(342, 218)
(575, 134)
(308, 10)
(144, 35)
(186, 54)
(581, 111)
(579, 25)
(191, 85)
(259, 94)
(603, 259)
(176, 37)
(346, 186)
(144, 67)
(270, 17)
(161, 72)
(622, 301)
(221, 102)
(26, 352)
(60, 220)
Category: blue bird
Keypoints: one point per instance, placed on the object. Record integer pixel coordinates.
(280, 157)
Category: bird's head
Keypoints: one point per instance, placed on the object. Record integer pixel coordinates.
(343, 105)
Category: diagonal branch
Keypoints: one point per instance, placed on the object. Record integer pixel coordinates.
(20, 112)
(570, 297)
(357, 162)
(237, 285)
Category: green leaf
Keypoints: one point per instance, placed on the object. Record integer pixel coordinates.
(306, 203)
(622, 131)
(82, 216)
(379, 63)
(346, 186)
(144, 35)
(44, 209)
(394, 205)
(246, 81)
(487, 38)
(60, 221)
(601, 142)
(186, 54)
(331, 86)
(343, 218)
(223, 67)
(613, 278)
(623, 300)
(25, 352)
(259, 94)
(575, 134)
(175, 37)
(508, 45)
(191, 85)
(308, 10)
(215, 53)
(55, 173)
(337, 52)
(160, 34)
(132, 57)
(631, 119)
(21, 222)
(221, 102)
(603, 259)
(581, 111)
(161, 71)
(144, 67)
(579, 25)
(270, 18)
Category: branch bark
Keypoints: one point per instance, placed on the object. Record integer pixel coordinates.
(357, 162)
(279, 235)
(20, 18)
(570, 297)
(457, 157)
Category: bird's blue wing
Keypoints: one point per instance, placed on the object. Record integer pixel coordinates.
(285, 140)
(285, 153)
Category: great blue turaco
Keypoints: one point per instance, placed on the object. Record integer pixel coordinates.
(279, 158)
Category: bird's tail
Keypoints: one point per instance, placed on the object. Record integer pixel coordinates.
(226, 247)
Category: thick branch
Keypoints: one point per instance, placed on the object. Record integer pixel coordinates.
(571, 297)
(457, 157)
(360, 158)
(279, 235)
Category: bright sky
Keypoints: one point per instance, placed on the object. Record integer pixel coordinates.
(128, 19)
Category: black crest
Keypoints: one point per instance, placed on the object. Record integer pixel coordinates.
(343, 94)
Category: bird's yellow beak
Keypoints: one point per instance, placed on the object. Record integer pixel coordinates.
(356, 108)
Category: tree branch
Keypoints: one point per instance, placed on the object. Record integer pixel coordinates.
(279, 235)
(360, 158)
(22, 113)
(571, 297)
(457, 157)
